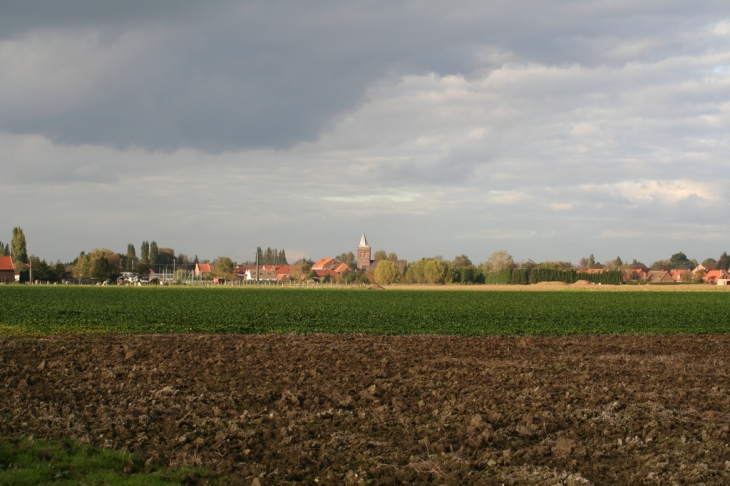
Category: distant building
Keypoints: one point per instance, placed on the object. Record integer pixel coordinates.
(7, 271)
(202, 269)
(713, 276)
(365, 263)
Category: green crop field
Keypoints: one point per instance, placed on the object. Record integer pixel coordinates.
(54, 310)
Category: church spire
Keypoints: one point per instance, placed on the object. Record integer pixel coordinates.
(363, 241)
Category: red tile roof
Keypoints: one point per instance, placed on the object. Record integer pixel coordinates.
(322, 273)
(6, 263)
(204, 267)
(342, 268)
(321, 263)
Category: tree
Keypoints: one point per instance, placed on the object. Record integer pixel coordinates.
(392, 257)
(131, 252)
(4, 249)
(724, 262)
(166, 256)
(224, 267)
(436, 271)
(380, 255)
(87, 264)
(102, 269)
(41, 270)
(18, 248)
(660, 265)
(154, 251)
(415, 272)
(497, 261)
(679, 261)
(145, 252)
(710, 263)
(348, 258)
(386, 272)
(462, 261)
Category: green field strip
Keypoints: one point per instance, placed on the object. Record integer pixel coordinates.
(58, 310)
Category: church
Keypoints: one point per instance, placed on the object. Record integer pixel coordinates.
(364, 258)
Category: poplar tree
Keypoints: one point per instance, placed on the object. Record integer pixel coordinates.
(145, 252)
(153, 252)
(19, 251)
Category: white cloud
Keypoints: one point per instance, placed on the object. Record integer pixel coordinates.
(261, 125)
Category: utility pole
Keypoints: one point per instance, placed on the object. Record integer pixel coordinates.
(257, 267)
(30, 266)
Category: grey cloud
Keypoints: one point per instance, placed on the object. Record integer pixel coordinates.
(222, 76)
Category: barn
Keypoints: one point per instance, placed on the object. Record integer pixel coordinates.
(7, 271)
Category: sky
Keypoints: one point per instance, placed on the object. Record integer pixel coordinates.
(550, 129)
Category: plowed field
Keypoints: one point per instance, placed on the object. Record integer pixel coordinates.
(351, 409)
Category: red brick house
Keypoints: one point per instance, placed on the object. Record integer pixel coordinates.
(202, 269)
(7, 271)
(659, 276)
(713, 276)
(682, 275)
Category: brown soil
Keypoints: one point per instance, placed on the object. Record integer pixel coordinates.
(293, 409)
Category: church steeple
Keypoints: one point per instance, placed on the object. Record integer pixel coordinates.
(363, 241)
(363, 254)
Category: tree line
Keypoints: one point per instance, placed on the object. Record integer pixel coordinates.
(103, 264)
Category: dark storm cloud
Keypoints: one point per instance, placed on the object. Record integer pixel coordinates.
(220, 76)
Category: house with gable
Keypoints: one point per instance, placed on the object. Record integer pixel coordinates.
(713, 276)
(202, 269)
(7, 270)
(658, 276)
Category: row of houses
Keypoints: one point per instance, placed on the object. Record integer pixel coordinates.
(640, 273)
(326, 267)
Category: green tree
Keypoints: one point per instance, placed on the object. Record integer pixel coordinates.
(41, 270)
(131, 252)
(386, 272)
(497, 262)
(660, 265)
(166, 256)
(145, 252)
(102, 269)
(392, 257)
(462, 261)
(380, 255)
(724, 262)
(679, 261)
(348, 258)
(19, 252)
(224, 267)
(709, 263)
(415, 273)
(4, 249)
(435, 271)
(87, 267)
(154, 252)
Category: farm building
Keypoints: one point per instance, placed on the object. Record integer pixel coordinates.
(202, 269)
(7, 271)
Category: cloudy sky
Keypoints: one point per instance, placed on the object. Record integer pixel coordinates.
(551, 129)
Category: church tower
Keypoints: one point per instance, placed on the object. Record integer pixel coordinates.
(363, 254)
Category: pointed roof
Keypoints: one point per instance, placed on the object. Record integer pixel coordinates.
(6, 263)
(363, 242)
